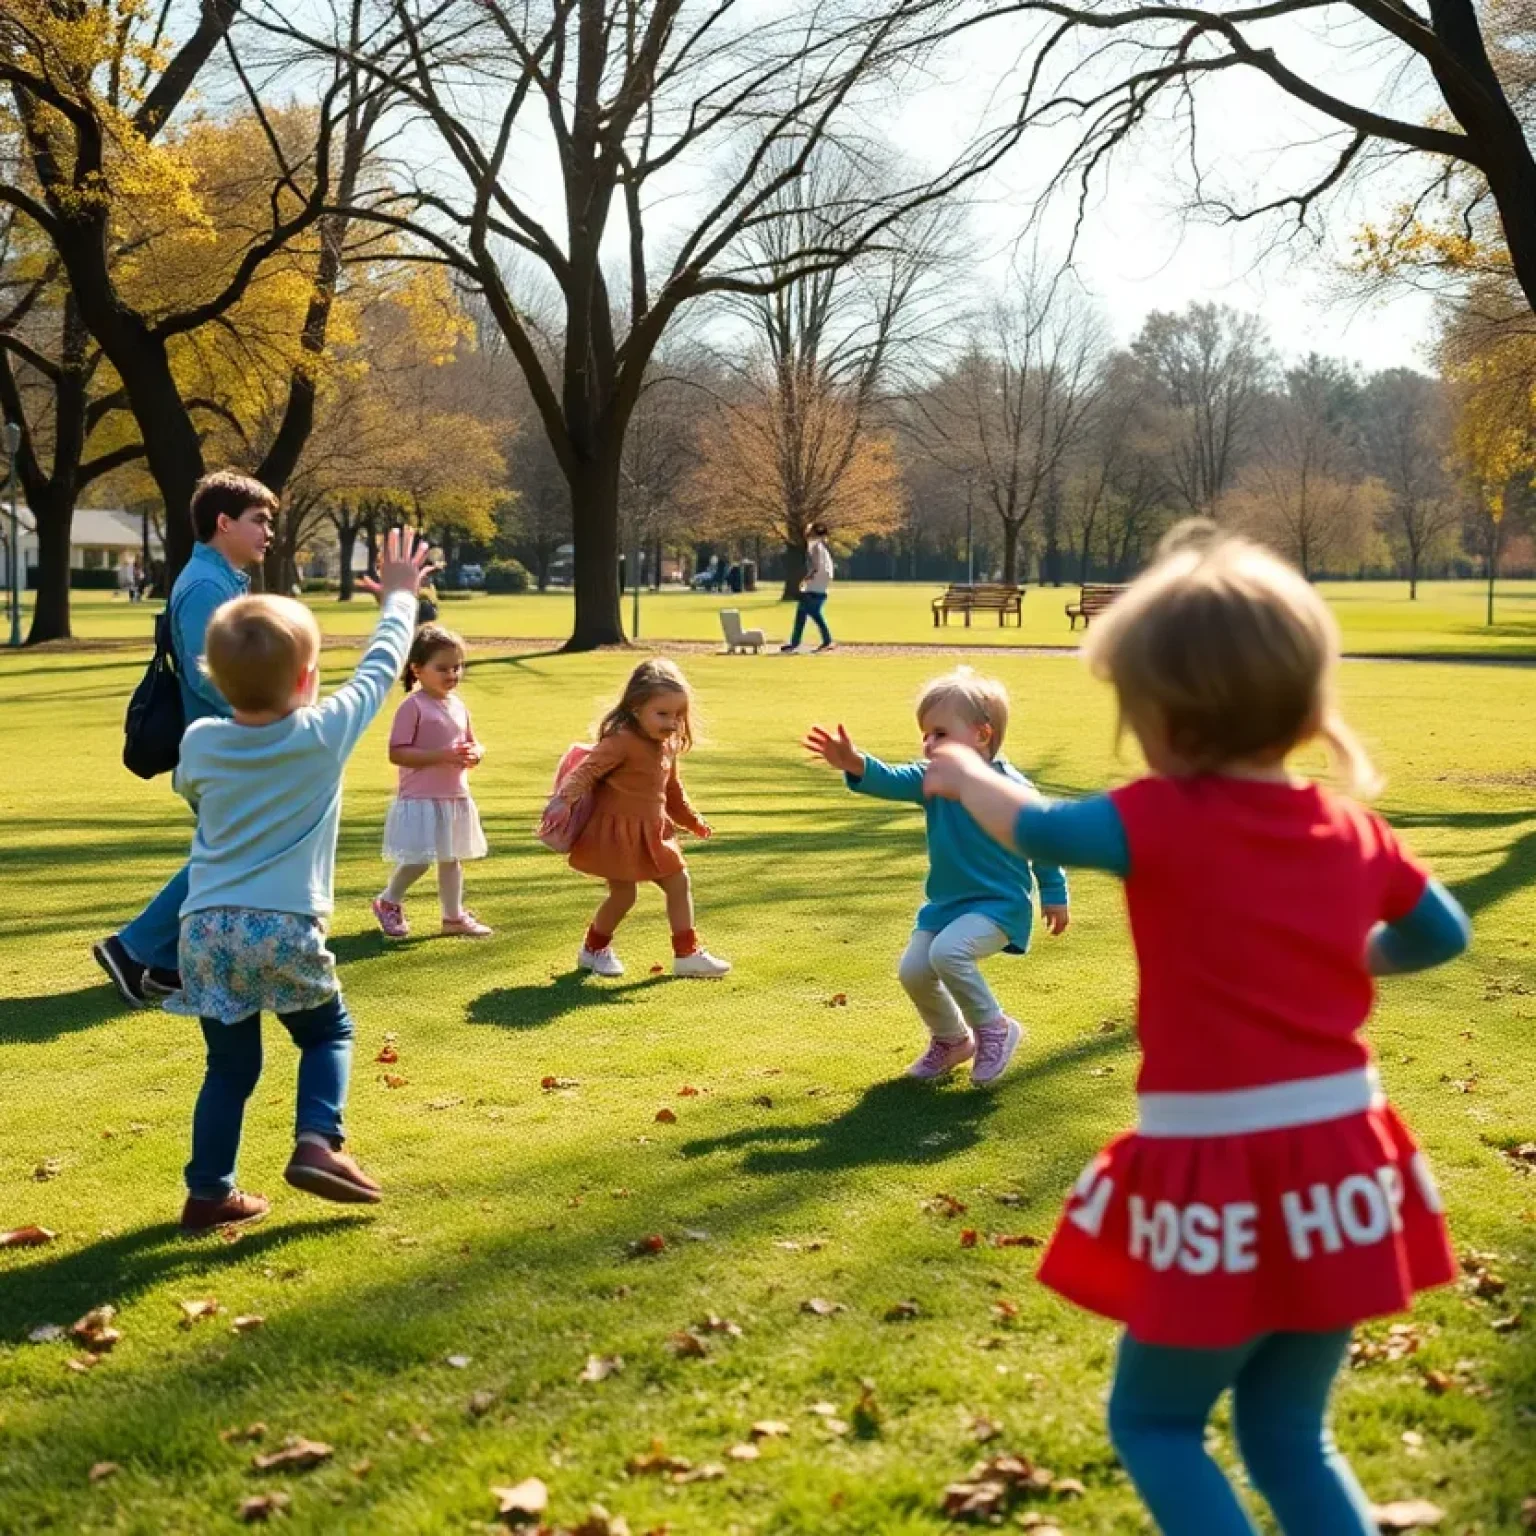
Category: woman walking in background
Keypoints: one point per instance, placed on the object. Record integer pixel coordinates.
(814, 589)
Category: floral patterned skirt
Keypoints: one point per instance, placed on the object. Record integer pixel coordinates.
(236, 961)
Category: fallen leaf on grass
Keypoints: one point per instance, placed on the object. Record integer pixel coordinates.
(1406, 1515)
(600, 1523)
(944, 1205)
(550, 1084)
(247, 1322)
(769, 1429)
(388, 1056)
(713, 1324)
(196, 1311)
(45, 1333)
(27, 1237)
(1015, 1240)
(658, 970)
(80, 1364)
(666, 1116)
(49, 1168)
(710, 1472)
(993, 1486)
(448, 1101)
(395, 1080)
(251, 1433)
(762, 1101)
(868, 1415)
(1486, 1283)
(460, 1362)
(687, 1092)
(902, 1312)
(1010, 1197)
(1438, 1382)
(527, 1501)
(361, 1468)
(262, 1506)
(103, 1470)
(480, 1404)
(601, 1367)
(984, 1429)
(95, 1330)
(647, 1247)
(1506, 1324)
(1528, 1513)
(1402, 1340)
(687, 1346)
(818, 1306)
(969, 1237)
(1005, 1311)
(656, 1463)
(744, 1452)
(297, 1455)
(838, 1000)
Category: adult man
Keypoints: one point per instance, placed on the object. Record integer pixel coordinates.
(232, 518)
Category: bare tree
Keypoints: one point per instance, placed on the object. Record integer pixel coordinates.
(1205, 371)
(1407, 420)
(629, 100)
(1012, 413)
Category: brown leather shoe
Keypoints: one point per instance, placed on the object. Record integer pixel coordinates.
(202, 1215)
(319, 1169)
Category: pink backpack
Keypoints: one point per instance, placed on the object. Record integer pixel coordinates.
(563, 839)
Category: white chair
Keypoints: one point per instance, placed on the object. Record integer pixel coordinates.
(737, 638)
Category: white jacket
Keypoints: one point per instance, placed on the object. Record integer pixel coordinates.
(818, 571)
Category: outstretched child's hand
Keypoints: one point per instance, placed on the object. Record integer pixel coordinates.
(836, 751)
(1056, 919)
(950, 769)
(404, 567)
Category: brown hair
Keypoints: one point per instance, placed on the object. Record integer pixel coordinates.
(980, 700)
(257, 648)
(225, 493)
(430, 639)
(649, 680)
(1230, 653)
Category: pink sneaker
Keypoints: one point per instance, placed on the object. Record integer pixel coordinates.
(942, 1056)
(995, 1044)
(390, 916)
(465, 926)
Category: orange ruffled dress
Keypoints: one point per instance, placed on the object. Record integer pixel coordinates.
(638, 805)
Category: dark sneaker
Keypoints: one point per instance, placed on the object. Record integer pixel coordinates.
(830, 645)
(203, 1215)
(331, 1174)
(126, 972)
(159, 982)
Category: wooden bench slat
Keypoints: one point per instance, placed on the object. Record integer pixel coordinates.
(1094, 598)
(983, 597)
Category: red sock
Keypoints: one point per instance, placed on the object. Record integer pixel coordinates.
(685, 942)
(597, 941)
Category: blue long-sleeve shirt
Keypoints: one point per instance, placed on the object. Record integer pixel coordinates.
(268, 797)
(1089, 834)
(967, 870)
(207, 581)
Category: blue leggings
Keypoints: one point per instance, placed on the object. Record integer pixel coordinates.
(1280, 1384)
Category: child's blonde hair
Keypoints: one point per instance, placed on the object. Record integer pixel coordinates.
(649, 680)
(980, 700)
(1229, 652)
(257, 649)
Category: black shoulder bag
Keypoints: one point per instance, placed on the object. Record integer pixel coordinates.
(155, 722)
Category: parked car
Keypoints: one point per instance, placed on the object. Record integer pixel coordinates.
(472, 576)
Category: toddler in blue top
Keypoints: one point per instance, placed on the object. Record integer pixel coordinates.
(980, 896)
(267, 787)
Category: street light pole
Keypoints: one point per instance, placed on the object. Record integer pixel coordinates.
(12, 446)
(970, 553)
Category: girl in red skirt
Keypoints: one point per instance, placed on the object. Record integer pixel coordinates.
(1269, 1199)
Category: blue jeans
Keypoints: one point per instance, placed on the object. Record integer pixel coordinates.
(324, 1038)
(1280, 1384)
(152, 937)
(811, 604)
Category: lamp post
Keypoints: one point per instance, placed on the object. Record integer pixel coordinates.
(970, 553)
(12, 445)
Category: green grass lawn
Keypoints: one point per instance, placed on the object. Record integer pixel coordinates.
(1377, 617)
(798, 1170)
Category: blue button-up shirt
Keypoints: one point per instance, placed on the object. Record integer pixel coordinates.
(206, 583)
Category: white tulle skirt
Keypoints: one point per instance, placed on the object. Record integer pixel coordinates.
(433, 832)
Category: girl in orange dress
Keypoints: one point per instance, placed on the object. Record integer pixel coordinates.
(638, 805)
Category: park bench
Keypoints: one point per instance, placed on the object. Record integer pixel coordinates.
(985, 597)
(1093, 599)
(737, 638)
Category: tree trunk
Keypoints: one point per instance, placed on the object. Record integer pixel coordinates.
(1011, 531)
(595, 512)
(50, 613)
(1413, 577)
(795, 563)
(346, 544)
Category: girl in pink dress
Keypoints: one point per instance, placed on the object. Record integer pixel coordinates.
(433, 819)
(1269, 1198)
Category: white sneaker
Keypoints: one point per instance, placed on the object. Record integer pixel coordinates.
(602, 963)
(700, 963)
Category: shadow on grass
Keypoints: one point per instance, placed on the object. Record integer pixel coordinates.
(898, 1121)
(532, 1007)
(121, 1268)
(1516, 871)
(31, 1020)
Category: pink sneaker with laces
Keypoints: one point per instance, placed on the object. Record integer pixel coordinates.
(465, 926)
(942, 1056)
(390, 916)
(995, 1044)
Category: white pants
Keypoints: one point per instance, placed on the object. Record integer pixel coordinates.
(942, 975)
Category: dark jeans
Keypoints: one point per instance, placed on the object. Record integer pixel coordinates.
(324, 1038)
(811, 604)
(152, 937)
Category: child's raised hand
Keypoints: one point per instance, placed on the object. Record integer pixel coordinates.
(1056, 919)
(404, 566)
(949, 770)
(836, 751)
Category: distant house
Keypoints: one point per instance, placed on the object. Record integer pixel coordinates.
(100, 539)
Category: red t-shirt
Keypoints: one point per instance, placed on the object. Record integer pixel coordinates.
(1250, 906)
